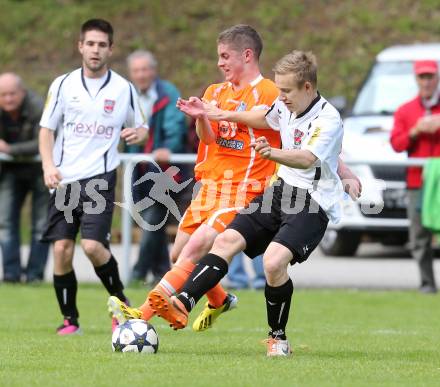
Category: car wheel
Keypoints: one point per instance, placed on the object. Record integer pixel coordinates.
(340, 243)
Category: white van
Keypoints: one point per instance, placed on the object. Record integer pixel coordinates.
(389, 84)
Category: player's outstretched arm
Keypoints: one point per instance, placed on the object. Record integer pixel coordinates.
(253, 118)
(52, 176)
(194, 108)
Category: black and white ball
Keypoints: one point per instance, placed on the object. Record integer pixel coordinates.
(135, 336)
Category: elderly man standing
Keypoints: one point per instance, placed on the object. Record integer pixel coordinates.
(20, 113)
(157, 99)
(416, 131)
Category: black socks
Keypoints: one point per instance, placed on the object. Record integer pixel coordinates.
(109, 276)
(66, 287)
(208, 273)
(278, 307)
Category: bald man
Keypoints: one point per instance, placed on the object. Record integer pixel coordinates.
(20, 112)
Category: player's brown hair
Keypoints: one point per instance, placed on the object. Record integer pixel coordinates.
(301, 64)
(242, 37)
(97, 25)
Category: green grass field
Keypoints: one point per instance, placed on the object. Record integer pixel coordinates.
(340, 338)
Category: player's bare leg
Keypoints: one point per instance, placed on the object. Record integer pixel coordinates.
(180, 241)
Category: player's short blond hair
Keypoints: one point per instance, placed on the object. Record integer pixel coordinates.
(302, 65)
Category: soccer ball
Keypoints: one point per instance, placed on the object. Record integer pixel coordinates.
(135, 336)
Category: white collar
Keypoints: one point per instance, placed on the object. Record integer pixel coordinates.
(256, 80)
(252, 83)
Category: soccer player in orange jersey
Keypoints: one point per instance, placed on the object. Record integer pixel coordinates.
(230, 172)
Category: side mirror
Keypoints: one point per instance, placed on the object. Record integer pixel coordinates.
(339, 102)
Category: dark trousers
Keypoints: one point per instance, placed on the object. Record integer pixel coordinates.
(14, 188)
(420, 239)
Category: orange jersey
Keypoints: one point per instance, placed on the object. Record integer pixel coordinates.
(214, 207)
(204, 153)
(231, 158)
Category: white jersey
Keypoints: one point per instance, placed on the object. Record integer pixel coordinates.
(319, 130)
(88, 126)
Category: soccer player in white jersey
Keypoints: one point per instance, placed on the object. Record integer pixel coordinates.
(87, 108)
(287, 222)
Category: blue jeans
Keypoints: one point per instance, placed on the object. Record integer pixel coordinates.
(14, 188)
(238, 277)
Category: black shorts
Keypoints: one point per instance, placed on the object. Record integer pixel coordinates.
(89, 209)
(286, 215)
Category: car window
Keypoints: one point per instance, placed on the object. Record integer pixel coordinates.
(389, 85)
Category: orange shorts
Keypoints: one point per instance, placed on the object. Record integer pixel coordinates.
(214, 208)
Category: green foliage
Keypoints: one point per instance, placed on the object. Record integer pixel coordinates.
(38, 38)
(340, 338)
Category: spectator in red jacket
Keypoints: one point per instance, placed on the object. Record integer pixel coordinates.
(416, 131)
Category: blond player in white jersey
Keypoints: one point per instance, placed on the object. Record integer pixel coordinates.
(287, 222)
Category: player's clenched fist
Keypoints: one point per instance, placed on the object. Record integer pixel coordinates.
(134, 136)
(262, 146)
(52, 177)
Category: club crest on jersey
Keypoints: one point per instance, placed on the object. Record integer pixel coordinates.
(109, 105)
(297, 137)
(227, 129)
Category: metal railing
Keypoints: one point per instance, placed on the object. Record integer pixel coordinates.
(129, 160)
